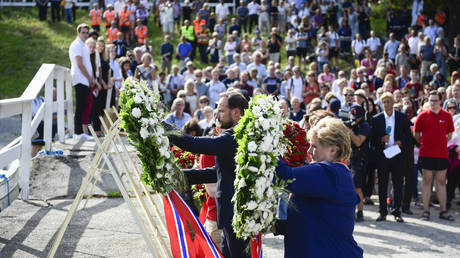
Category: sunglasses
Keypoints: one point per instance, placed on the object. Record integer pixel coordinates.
(349, 95)
(452, 107)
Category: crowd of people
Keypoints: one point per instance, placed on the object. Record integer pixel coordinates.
(400, 96)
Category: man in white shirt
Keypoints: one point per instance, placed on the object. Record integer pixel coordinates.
(253, 8)
(358, 45)
(222, 11)
(295, 87)
(175, 81)
(238, 63)
(82, 77)
(118, 6)
(373, 43)
(215, 87)
(261, 69)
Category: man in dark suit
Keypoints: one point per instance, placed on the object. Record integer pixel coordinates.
(229, 111)
(389, 128)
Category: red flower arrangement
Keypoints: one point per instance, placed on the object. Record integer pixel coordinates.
(185, 159)
(297, 147)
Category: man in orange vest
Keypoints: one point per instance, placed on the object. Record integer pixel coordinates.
(96, 17)
(202, 40)
(112, 33)
(124, 22)
(141, 32)
(109, 16)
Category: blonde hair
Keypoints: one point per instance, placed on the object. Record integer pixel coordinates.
(387, 95)
(331, 131)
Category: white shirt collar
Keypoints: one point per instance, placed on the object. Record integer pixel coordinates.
(389, 117)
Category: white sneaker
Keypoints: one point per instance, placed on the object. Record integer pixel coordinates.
(86, 137)
(83, 137)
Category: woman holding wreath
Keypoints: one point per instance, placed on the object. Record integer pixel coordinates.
(320, 219)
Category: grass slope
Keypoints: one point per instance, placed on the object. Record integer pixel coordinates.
(26, 43)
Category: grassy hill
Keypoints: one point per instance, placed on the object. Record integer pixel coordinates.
(26, 43)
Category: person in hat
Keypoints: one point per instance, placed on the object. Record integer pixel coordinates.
(202, 41)
(334, 106)
(359, 134)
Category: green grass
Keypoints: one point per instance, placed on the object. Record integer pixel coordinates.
(26, 43)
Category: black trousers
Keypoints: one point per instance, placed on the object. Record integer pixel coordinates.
(253, 20)
(243, 24)
(408, 177)
(233, 247)
(203, 55)
(385, 168)
(42, 10)
(369, 176)
(55, 14)
(98, 109)
(81, 99)
(453, 181)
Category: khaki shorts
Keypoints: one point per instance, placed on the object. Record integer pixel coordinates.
(216, 234)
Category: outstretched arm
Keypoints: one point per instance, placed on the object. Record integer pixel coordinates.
(201, 176)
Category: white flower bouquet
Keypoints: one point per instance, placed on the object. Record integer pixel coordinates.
(259, 135)
(141, 115)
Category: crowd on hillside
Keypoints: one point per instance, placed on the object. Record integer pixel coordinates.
(400, 98)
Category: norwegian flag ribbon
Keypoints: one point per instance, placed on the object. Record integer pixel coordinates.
(256, 246)
(178, 214)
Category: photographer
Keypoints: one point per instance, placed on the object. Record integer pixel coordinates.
(359, 133)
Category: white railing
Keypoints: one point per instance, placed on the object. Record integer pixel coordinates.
(50, 77)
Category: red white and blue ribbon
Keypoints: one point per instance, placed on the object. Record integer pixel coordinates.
(256, 246)
(176, 230)
(177, 213)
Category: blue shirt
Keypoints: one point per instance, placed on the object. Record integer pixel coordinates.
(392, 48)
(176, 121)
(242, 11)
(184, 48)
(321, 217)
(271, 83)
(167, 48)
(427, 53)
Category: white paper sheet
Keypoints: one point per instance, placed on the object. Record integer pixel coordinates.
(391, 151)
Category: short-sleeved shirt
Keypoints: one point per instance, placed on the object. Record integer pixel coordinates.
(434, 128)
(302, 43)
(184, 48)
(167, 48)
(79, 48)
(427, 53)
(176, 121)
(271, 83)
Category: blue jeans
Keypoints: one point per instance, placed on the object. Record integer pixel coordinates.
(68, 14)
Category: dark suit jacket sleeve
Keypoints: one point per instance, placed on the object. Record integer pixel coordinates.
(374, 138)
(223, 145)
(405, 128)
(201, 176)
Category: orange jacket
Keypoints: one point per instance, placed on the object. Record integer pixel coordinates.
(112, 35)
(109, 17)
(96, 17)
(141, 33)
(124, 18)
(440, 18)
(421, 20)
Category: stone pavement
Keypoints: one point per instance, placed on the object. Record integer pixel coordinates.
(106, 228)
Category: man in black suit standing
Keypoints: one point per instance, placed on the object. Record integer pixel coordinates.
(389, 128)
(229, 111)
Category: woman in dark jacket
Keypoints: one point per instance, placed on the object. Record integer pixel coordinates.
(320, 219)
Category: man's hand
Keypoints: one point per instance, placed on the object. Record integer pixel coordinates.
(385, 138)
(399, 143)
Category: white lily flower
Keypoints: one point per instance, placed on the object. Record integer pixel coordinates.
(252, 146)
(144, 133)
(137, 99)
(136, 112)
(251, 205)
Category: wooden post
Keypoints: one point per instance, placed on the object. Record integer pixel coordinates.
(60, 104)
(48, 119)
(26, 133)
(69, 102)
